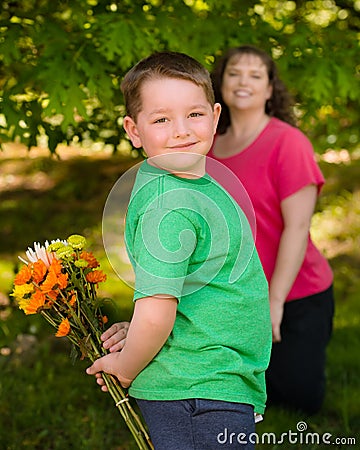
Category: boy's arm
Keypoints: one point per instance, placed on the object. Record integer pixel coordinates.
(151, 325)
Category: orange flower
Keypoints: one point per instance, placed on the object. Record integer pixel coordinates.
(105, 320)
(63, 280)
(96, 276)
(72, 299)
(90, 259)
(50, 283)
(55, 266)
(39, 271)
(36, 302)
(54, 281)
(53, 295)
(64, 328)
(23, 276)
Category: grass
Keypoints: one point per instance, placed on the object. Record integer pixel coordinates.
(48, 403)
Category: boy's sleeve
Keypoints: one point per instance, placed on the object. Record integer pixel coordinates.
(164, 241)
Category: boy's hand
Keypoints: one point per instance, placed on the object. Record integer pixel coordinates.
(152, 323)
(108, 364)
(114, 338)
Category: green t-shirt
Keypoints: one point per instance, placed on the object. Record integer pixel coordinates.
(188, 238)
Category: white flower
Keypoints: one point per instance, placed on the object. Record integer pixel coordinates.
(40, 252)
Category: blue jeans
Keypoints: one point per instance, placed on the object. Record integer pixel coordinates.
(197, 424)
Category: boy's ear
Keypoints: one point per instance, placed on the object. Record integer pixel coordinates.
(217, 112)
(132, 131)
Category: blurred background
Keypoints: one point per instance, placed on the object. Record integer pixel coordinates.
(63, 148)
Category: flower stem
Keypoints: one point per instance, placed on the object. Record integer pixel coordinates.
(130, 417)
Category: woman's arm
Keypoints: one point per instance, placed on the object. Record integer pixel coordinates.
(297, 211)
(151, 325)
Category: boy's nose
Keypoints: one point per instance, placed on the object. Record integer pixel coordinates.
(181, 129)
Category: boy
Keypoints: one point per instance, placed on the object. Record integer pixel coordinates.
(200, 337)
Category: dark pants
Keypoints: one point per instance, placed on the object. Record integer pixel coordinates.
(296, 374)
(197, 424)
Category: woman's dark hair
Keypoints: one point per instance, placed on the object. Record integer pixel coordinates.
(279, 105)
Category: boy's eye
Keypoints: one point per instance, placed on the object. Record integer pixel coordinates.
(196, 114)
(162, 120)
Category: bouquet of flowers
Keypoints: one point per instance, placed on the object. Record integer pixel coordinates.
(59, 281)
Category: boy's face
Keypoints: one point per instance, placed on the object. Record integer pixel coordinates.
(175, 118)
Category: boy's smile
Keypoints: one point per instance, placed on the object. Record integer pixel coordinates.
(175, 117)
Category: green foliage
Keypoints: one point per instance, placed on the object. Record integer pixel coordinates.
(61, 62)
(54, 404)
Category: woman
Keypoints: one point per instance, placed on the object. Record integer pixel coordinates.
(275, 162)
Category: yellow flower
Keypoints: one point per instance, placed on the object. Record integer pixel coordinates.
(22, 291)
(55, 245)
(81, 263)
(64, 252)
(77, 241)
(23, 303)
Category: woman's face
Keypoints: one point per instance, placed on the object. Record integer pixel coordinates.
(245, 83)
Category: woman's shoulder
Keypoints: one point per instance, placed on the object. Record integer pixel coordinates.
(287, 132)
(281, 126)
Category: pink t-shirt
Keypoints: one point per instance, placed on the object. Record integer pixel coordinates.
(277, 164)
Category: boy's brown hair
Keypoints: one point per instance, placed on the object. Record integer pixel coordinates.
(163, 65)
